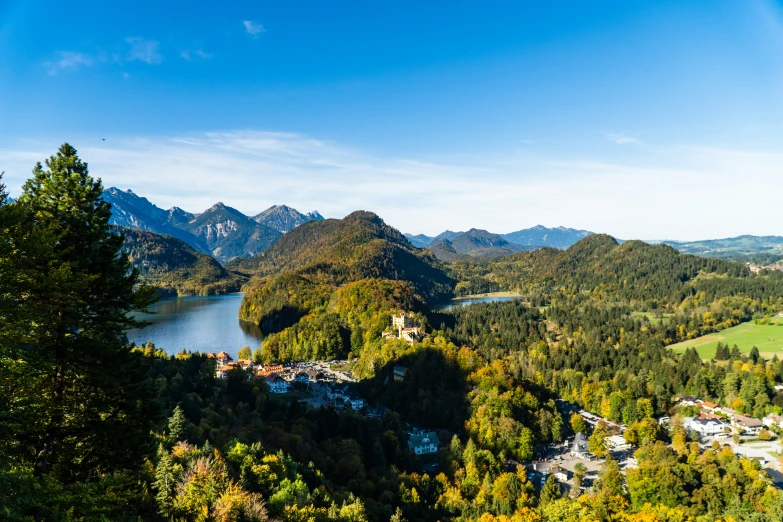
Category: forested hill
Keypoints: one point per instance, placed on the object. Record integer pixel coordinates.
(175, 267)
(328, 280)
(358, 246)
(634, 271)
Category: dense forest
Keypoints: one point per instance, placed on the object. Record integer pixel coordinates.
(92, 428)
(174, 267)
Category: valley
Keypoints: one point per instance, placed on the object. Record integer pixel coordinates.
(495, 366)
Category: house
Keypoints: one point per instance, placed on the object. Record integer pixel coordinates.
(314, 375)
(560, 474)
(617, 442)
(222, 358)
(269, 369)
(709, 406)
(579, 447)
(707, 426)
(747, 424)
(772, 420)
(302, 377)
(423, 442)
(246, 364)
(222, 371)
(276, 384)
(399, 373)
(687, 400)
(356, 401)
(376, 412)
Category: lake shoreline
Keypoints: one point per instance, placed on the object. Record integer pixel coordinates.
(489, 294)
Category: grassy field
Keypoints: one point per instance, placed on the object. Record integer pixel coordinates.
(767, 338)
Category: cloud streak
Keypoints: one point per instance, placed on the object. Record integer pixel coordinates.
(677, 193)
(621, 138)
(143, 50)
(68, 60)
(254, 29)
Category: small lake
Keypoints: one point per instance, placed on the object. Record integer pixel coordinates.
(197, 323)
(468, 300)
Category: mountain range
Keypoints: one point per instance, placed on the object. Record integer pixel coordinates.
(525, 239)
(220, 231)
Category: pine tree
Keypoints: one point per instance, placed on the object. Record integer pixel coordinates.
(164, 483)
(81, 402)
(177, 424)
(550, 491)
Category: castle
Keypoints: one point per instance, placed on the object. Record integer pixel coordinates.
(406, 327)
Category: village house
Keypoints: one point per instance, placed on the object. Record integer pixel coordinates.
(221, 357)
(772, 420)
(246, 364)
(709, 406)
(707, 426)
(399, 373)
(688, 400)
(561, 474)
(302, 377)
(276, 384)
(423, 442)
(340, 396)
(748, 425)
(222, 371)
(265, 370)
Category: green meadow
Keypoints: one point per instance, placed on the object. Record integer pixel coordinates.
(767, 338)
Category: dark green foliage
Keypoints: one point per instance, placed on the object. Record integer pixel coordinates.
(174, 267)
(76, 401)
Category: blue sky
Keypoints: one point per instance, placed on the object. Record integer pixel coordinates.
(641, 119)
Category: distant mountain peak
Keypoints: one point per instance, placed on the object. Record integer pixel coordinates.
(284, 218)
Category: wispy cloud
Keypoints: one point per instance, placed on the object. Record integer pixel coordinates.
(625, 197)
(253, 28)
(190, 55)
(621, 138)
(68, 60)
(144, 50)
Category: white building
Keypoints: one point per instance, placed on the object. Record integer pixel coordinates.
(276, 384)
(772, 420)
(423, 443)
(707, 426)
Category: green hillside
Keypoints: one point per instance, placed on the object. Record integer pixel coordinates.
(646, 276)
(299, 280)
(174, 266)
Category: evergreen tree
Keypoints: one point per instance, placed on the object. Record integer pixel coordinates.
(80, 403)
(164, 483)
(177, 424)
(550, 491)
(754, 355)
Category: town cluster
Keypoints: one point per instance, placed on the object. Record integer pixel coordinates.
(714, 420)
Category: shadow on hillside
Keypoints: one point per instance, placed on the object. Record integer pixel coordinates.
(432, 393)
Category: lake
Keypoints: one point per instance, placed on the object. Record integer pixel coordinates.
(469, 300)
(211, 324)
(197, 323)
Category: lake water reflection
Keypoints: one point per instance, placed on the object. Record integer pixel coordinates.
(197, 323)
(465, 301)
